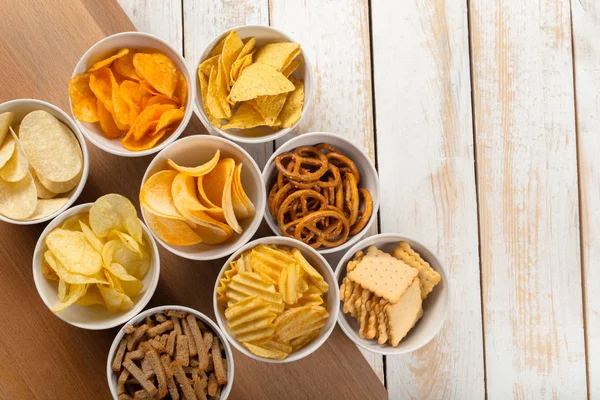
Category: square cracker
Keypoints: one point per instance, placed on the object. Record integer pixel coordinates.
(427, 275)
(383, 274)
(403, 315)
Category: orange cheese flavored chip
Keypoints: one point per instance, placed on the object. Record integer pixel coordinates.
(181, 90)
(161, 99)
(199, 170)
(124, 66)
(83, 100)
(107, 62)
(169, 117)
(217, 185)
(102, 83)
(158, 70)
(238, 194)
(156, 194)
(107, 123)
(146, 142)
(173, 231)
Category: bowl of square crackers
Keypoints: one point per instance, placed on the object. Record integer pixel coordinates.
(170, 352)
(394, 294)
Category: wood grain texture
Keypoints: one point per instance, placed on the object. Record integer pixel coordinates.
(425, 154)
(585, 15)
(528, 203)
(158, 17)
(44, 357)
(339, 49)
(205, 19)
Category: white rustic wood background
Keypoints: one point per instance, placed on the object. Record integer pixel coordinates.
(483, 119)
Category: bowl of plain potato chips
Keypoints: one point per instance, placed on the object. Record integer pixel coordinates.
(96, 265)
(203, 197)
(254, 83)
(43, 161)
(131, 94)
(276, 300)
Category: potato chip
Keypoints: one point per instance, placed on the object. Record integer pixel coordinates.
(247, 284)
(115, 300)
(91, 297)
(199, 170)
(249, 320)
(245, 117)
(263, 350)
(288, 283)
(158, 70)
(291, 68)
(63, 289)
(169, 118)
(232, 47)
(239, 194)
(42, 192)
(74, 252)
(218, 186)
(95, 241)
(147, 142)
(107, 62)
(315, 277)
(150, 113)
(48, 272)
(161, 99)
(292, 109)
(259, 80)
(127, 240)
(18, 200)
(213, 102)
(75, 293)
(72, 223)
(277, 55)
(17, 165)
(107, 122)
(115, 251)
(132, 288)
(156, 194)
(83, 99)
(102, 83)
(171, 230)
(181, 90)
(7, 149)
(70, 277)
(124, 66)
(301, 341)
(299, 321)
(6, 119)
(120, 272)
(115, 212)
(47, 207)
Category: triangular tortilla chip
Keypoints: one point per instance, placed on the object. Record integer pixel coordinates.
(292, 109)
(259, 80)
(277, 55)
(231, 49)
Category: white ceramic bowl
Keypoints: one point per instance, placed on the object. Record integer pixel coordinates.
(332, 297)
(141, 42)
(263, 35)
(21, 108)
(369, 179)
(196, 150)
(435, 306)
(94, 317)
(112, 377)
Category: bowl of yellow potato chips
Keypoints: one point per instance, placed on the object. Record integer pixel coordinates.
(254, 84)
(43, 161)
(203, 197)
(96, 265)
(131, 94)
(276, 300)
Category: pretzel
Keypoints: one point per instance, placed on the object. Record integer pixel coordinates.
(300, 158)
(366, 215)
(340, 160)
(322, 238)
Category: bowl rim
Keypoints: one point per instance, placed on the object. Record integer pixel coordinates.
(191, 82)
(110, 374)
(256, 219)
(84, 154)
(269, 169)
(366, 344)
(124, 317)
(333, 314)
(308, 95)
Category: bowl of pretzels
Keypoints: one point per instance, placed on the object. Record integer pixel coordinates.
(323, 191)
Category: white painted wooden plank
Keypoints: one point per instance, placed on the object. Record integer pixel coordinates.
(585, 16)
(203, 20)
(528, 199)
(335, 34)
(425, 154)
(158, 17)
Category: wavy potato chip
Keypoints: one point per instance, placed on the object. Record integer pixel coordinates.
(292, 109)
(277, 55)
(52, 150)
(217, 185)
(83, 99)
(124, 66)
(156, 194)
(42, 192)
(108, 61)
(7, 149)
(74, 252)
(17, 165)
(6, 119)
(114, 212)
(158, 70)
(47, 207)
(18, 200)
(171, 230)
(199, 170)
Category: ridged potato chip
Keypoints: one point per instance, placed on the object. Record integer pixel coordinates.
(249, 320)
(259, 80)
(74, 252)
(83, 99)
(158, 70)
(115, 212)
(52, 151)
(299, 321)
(247, 284)
(18, 200)
(301, 341)
(267, 350)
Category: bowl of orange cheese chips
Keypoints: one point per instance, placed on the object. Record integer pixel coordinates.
(254, 83)
(131, 93)
(203, 197)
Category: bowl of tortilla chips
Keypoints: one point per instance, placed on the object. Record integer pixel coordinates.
(254, 84)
